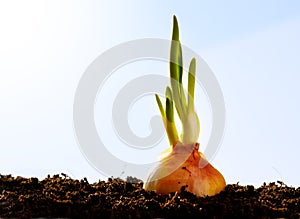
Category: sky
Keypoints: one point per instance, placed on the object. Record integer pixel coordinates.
(252, 48)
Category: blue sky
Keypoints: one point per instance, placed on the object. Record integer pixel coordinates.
(251, 46)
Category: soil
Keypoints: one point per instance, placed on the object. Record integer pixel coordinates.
(61, 196)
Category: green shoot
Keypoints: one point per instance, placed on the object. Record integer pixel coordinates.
(176, 95)
(191, 85)
(161, 108)
(168, 116)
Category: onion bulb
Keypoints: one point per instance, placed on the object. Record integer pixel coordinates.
(194, 174)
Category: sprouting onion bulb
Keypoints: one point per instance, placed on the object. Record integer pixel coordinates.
(184, 166)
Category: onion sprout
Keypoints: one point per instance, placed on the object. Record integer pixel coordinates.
(175, 95)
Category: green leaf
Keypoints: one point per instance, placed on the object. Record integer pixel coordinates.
(169, 105)
(191, 85)
(176, 71)
(169, 93)
(160, 106)
(183, 99)
(175, 35)
(169, 110)
(172, 132)
(176, 53)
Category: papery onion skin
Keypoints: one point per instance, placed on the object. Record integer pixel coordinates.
(185, 167)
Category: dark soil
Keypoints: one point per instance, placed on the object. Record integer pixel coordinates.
(61, 196)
